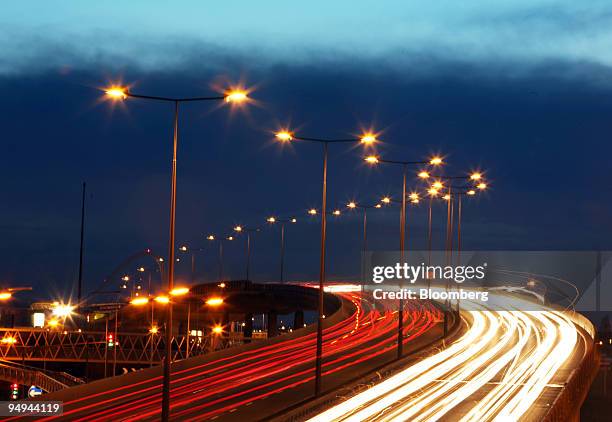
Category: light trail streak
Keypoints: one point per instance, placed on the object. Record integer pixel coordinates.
(509, 355)
(209, 389)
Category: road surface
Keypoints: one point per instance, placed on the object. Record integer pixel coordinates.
(509, 365)
(283, 372)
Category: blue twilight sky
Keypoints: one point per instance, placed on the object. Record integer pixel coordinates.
(161, 33)
(519, 88)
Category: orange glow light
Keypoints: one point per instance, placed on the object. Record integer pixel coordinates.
(179, 291)
(214, 301)
(284, 136)
(116, 92)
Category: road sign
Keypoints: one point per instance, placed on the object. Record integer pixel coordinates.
(34, 391)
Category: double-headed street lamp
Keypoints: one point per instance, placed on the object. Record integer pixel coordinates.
(353, 205)
(477, 179)
(274, 220)
(241, 229)
(212, 238)
(366, 139)
(192, 251)
(122, 93)
(434, 161)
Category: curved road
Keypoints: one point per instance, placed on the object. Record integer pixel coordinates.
(220, 387)
(509, 365)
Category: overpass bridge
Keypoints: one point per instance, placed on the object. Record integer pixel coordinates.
(522, 365)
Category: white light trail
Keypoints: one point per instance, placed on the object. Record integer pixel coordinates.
(516, 352)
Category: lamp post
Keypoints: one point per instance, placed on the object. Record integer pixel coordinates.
(121, 93)
(274, 220)
(212, 238)
(192, 252)
(475, 177)
(248, 231)
(353, 205)
(435, 161)
(366, 139)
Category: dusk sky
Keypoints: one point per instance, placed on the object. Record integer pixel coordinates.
(520, 89)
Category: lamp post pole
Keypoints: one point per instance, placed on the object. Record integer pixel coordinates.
(434, 161)
(122, 94)
(366, 139)
(274, 220)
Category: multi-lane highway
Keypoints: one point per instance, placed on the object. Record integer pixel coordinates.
(220, 387)
(509, 364)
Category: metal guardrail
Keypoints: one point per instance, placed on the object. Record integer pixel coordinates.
(31, 376)
(567, 404)
(38, 345)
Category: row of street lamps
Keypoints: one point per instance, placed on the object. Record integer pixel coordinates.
(367, 140)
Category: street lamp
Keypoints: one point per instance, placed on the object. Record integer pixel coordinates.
(353, 205)
(241, 229)
(192, 252)
(475, 177)
(366, 139)
(214, 301)
(121, 93)
(212, 238)
(434, 161)
(282, 222)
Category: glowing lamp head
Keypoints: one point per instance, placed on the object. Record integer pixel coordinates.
(351, 205)
(372, 159)
(162, 300)
(125, 278)
(446, 197)
(437, 185)
(435, 161)
(284, 136)
(471, 192)
(154, 330)
(414, 201)
(238, 229)
(214, 301)
(179, 291)
(183, 248)
(271, 220)
(230, 237)
(53, 323)
(386, 200)
(62, 310)
(5, 295)
(139, 301)
(217, 329)
(236, 96)
(423, 175)
(336, 212)
(378, 206)
(368, 138)
(141, 269)
(294, 220)
(8, 340)
(432, 192)
(312, 211)
(210, 237)
(481, 186)
(160, 259)
(413, 196)
(116, 93)
(475, 176)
